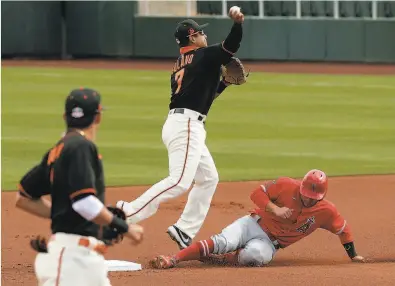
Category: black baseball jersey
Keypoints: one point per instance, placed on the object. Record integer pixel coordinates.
(195, 78)
(68, 172)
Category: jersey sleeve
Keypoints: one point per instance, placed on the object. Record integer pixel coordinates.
(336, 224)
(220, 54)
(217, 55)
(35, 183)
(81, 174)
(267, 192)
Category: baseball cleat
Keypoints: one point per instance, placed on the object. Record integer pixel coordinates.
(163, 262)
(180, 237)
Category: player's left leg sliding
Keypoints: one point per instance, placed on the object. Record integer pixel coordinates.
(242, 243)
(196, 251)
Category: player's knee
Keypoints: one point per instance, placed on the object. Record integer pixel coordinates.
(214, 177)
(210, 180)
(184, 183)
(255, 256)
(223, 245)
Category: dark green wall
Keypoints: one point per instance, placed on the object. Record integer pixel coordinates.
(111, 29)
(345, 41)
(92, 28)
(31, 28)
(100, 28)
(379, 41)
(294, 40)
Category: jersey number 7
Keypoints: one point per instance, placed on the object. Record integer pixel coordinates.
(52, 157)
(178, 77)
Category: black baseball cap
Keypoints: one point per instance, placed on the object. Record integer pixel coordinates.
(186, 28)
(81, 106)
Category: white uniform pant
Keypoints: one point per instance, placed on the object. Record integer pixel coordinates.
(189, 160)
(67, 264)
(245, 234)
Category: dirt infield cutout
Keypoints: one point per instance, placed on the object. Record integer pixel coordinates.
(365, 201)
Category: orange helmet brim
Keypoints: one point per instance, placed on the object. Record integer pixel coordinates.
(310, 194)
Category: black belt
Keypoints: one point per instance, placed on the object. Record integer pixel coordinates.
(181, 110)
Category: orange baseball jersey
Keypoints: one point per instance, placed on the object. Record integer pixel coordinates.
(284, 192)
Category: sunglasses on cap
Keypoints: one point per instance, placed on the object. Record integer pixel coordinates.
(198, 32)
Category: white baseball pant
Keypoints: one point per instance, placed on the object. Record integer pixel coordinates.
(68, 264)
(245, 234)
(189, 160)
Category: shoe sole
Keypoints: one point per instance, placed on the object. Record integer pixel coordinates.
(155, 263)
(158, 262)
(175, 237)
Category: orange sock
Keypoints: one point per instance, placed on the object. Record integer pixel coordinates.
(195, 251)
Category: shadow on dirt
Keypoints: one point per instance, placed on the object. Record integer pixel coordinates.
(281, 263)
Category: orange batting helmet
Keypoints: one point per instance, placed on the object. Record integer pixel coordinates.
(314, 185)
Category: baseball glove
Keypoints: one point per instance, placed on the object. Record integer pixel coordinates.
(39, 244)
(234, 72)
(110, 235)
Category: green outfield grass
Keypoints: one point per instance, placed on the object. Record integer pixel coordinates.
(274, 125)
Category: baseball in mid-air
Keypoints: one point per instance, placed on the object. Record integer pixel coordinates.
(234, 10)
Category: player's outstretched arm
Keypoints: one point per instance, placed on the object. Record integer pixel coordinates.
(221, 53)
(351, 252)
(233, 40)
(348, 244)
(338, 225)
(90, 208)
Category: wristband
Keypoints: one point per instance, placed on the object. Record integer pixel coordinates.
(349, 247)
(119, 224)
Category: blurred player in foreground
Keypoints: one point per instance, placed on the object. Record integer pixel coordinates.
(82, 226)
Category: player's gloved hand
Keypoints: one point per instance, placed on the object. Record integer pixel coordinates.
(283, 212)
(135, 233)
(39, 244)
(112, 236)
(360, 259)
(234, 72)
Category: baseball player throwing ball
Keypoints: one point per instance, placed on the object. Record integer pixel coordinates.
(195, 83)
(71, 172)
(288, 210)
